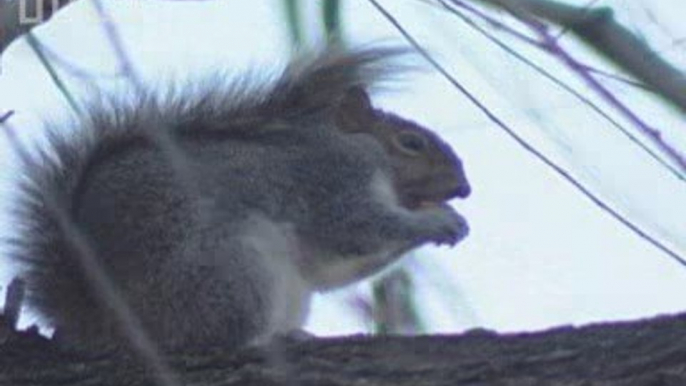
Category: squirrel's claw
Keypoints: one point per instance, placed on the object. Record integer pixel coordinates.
(445, 225)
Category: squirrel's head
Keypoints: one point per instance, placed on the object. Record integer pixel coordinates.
(426, 171)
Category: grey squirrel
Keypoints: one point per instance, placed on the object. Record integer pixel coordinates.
(304, 185)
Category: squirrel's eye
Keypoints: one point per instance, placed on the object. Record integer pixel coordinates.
(410, 142)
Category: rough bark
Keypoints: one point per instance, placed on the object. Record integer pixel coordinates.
(643, 353)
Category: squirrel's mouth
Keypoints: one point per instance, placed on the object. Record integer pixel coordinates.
(424, 194)
(419, 198)
(416, 202)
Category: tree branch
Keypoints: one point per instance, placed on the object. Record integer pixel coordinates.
(651, 352)
(559, 170)
(451, 6)
(598, 28)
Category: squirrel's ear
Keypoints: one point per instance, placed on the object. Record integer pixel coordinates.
(354, 112)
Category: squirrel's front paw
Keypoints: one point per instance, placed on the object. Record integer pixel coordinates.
(445, 225)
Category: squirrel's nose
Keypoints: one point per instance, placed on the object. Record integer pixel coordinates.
(460, 184)
(462, 190)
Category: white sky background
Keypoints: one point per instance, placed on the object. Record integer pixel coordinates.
(539, 254)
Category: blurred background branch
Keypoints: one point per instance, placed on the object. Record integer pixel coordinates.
(597, 27)
(551, 44)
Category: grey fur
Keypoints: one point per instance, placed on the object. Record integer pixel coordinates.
(294, 206)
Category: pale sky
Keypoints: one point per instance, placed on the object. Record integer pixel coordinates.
(539, 254)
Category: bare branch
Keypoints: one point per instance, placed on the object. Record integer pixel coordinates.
(35, 46)
(550, 44)
(451, 7)
(71, 67)
(643, 353)
(598, 28)
(560, 171)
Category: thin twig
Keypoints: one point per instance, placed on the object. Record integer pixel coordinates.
(451, 8)
(293, 16)
(619, 78)
(160, 136)
(74, 69)
(6, 115)
(36, 47)
(533, 42)
(525, 145)
(551, 45)
(597, 27)
(654, 134)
